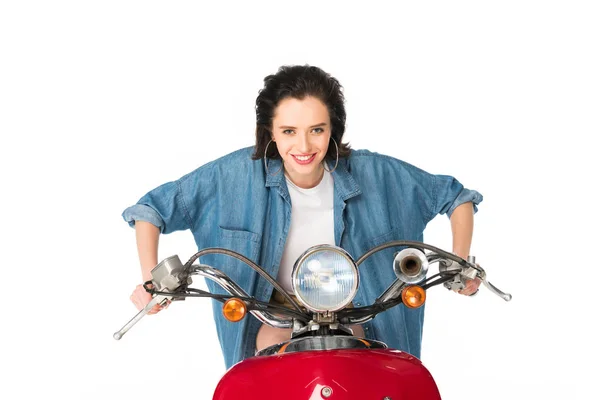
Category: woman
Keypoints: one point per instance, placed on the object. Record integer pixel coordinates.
(297, 187)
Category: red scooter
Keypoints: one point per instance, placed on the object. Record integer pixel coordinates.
(322, 359)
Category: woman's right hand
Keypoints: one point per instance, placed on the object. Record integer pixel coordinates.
(140, 298)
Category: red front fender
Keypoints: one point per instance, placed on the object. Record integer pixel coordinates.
(345, 374)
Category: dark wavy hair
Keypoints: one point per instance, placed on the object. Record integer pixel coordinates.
(299, 81)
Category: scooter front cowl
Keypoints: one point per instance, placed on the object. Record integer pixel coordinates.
(381, 374)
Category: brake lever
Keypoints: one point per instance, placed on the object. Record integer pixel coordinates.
(169, 274)
(492, 288)
(158, 299)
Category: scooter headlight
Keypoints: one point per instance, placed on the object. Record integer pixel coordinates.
(325, 278)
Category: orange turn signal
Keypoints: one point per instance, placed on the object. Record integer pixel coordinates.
(234, 310)
(413, 296)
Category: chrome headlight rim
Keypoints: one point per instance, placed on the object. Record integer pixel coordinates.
(316, 249)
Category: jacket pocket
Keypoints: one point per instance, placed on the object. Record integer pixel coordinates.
(226, 233)
(244, 242)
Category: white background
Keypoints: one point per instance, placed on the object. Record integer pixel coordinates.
(102, 101)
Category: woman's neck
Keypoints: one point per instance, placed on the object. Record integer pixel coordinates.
(304, 181)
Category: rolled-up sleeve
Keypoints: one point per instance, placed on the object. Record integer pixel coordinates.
(163, 207)
(450, 193)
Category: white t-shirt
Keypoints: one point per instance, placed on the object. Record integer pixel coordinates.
(312, 224)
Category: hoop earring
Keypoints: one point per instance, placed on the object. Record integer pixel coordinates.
(265, 160)
(337, 157)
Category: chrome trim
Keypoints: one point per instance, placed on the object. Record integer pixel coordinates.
(391, 292)
(320, 343)
(226, 283)
(359, 321)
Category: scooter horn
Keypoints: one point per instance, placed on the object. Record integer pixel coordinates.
(411, 265)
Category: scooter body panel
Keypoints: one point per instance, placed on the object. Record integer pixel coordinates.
(329, 374)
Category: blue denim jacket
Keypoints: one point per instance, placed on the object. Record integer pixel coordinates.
(232, 203)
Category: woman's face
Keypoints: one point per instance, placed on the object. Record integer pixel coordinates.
(301, 131)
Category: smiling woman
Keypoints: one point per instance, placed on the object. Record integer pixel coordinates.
(308, 117)
(307, 189)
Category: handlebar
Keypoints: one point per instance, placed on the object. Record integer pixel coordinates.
(233, 288)
(171, 278)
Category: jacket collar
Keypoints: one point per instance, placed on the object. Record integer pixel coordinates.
(274, 178)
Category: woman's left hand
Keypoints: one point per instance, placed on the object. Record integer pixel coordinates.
(471, 287)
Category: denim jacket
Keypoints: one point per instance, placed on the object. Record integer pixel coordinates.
(232, 203)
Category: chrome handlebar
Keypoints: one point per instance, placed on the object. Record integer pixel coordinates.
(170, 275)
(233, 288)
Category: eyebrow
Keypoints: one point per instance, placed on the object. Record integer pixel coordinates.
(293, 127)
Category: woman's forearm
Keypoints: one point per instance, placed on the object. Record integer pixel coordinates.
(462, 229)
(146, 236)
